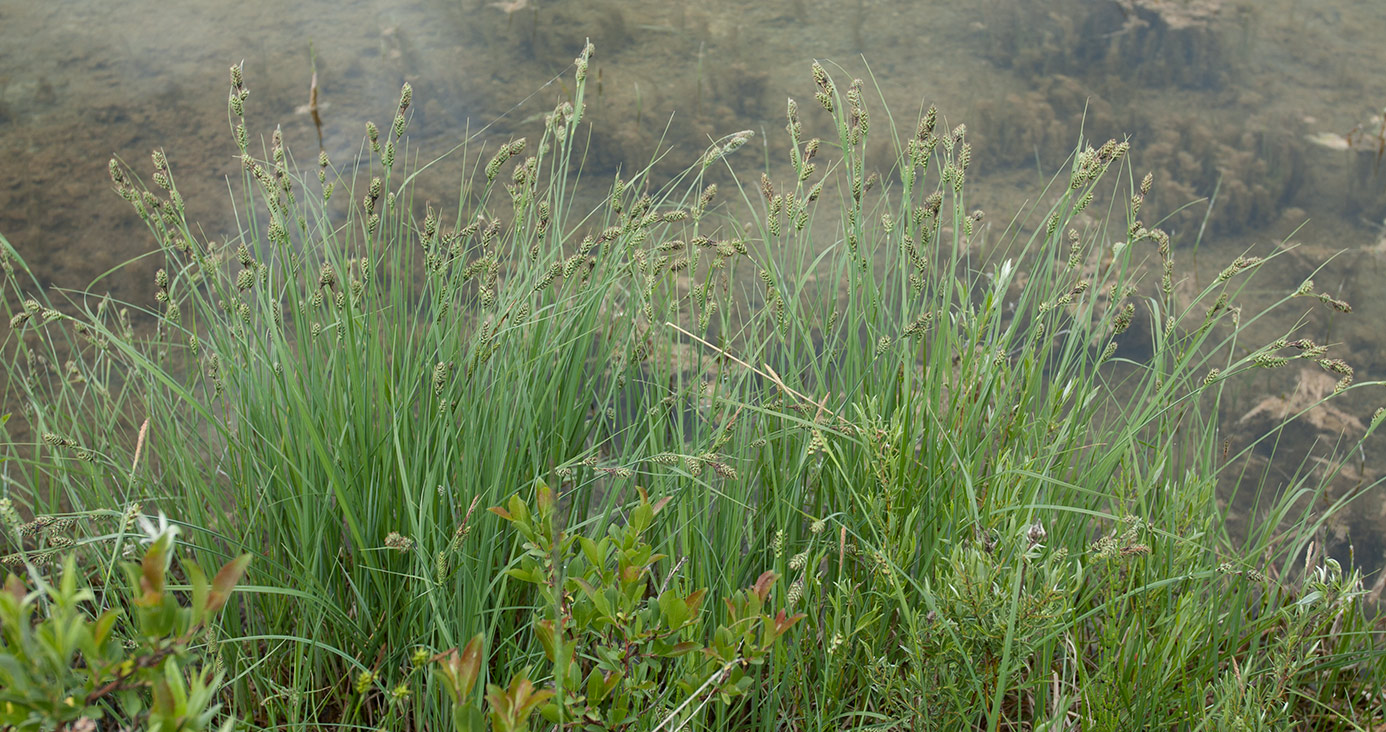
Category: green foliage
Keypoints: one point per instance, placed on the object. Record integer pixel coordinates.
(615, 634)
(59, 665)
(459, 673)
(976, 462)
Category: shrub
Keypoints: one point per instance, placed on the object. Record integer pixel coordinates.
(62, 668)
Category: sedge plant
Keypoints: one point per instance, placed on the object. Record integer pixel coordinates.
(973, 462)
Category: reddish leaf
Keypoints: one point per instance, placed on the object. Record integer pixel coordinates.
(152, 576)
(661, 503)
(15, 587)
(680, 649)
(543, 498)
(763, 584)
(783, 623)
(461, 670)
(469, 665)
(225, 581)
(695, 601)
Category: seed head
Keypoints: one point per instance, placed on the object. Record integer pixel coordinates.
(581, 63)
(926, 125)
(441, 371)
(1123, 318)
(796, 592)
(1340, 305)
(398, 542)
(708, 194)
(1337, 366)
(364, 681)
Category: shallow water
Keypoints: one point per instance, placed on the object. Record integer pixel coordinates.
(1224, 105)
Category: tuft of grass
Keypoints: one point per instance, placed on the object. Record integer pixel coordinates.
(979, 457)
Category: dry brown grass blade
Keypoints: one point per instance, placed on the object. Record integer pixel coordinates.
(139, 447)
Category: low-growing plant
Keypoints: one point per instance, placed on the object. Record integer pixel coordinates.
(64, 665)
(615, 632)
(623, 652)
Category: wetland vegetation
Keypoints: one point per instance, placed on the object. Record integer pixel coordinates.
(831, 449)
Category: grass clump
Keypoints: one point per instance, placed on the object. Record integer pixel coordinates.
(916, 472)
